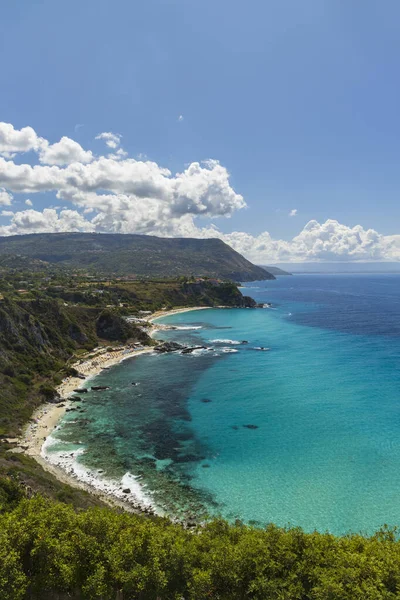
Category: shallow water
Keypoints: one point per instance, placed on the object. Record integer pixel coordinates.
(306, 433)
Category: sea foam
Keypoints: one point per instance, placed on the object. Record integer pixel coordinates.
(69, 462)
(233, 342)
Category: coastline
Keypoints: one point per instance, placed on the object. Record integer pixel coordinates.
(177, 311)
(46, 417)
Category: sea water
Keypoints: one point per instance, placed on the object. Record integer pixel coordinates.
(304, 432)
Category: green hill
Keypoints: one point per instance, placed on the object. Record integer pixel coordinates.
(276, 271)
(129, 254)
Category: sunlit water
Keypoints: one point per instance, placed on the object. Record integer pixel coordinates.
(323, 405)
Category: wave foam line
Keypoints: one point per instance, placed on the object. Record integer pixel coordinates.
(69, 463)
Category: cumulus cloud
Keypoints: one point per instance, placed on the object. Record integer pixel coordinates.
(28, 202)
(115, 193)
(64, 152)
(118, 155)
(46, 221)
(5, 197)
(329, 241)
(17, 140)
(293, 212)
(180, 118)
(112, 140)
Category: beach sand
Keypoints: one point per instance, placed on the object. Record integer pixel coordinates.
(45, 418)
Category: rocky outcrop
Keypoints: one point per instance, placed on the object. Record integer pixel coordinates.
(112, 327)
(169, 347)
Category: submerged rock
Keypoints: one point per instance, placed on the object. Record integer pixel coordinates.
(205, 400)
(251, 426)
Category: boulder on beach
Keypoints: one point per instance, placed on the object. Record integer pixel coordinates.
(81, 391)
(126, 491)
(98, 388)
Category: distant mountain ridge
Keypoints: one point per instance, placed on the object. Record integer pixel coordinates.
(275, 270)
(132, 254)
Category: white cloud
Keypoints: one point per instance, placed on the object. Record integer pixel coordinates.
(329, 241)
(64, 152)
(115, 193)
(17, 140)
(118, 155)
(293, 212)
(28, 202)
(47, 221)
(180, 118)
(5, 197)
(112, 140)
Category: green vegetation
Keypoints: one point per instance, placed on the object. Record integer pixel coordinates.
(37, 338)
(61, 543)
(49, 317)
(48, 550)
(24, 477)
(128, 254)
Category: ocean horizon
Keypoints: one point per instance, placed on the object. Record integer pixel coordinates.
(290, 415)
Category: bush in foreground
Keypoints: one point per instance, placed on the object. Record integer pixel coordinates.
(47, 550)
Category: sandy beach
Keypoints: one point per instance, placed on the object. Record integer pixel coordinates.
(45, 418)
(176, 311)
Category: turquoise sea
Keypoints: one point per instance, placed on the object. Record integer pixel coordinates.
(306, 433)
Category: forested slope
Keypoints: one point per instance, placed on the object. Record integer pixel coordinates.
(142, 255)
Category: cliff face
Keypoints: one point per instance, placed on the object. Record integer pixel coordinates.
(113, 328)
(223, 294)
(36, 339)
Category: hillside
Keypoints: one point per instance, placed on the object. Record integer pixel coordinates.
(46, 325)
(129, 254)
(276, 271)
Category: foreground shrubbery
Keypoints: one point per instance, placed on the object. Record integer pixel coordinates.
(48, 550)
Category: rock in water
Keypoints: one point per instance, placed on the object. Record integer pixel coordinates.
(169, 347)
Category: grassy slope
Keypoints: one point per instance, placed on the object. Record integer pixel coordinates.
(142, 255)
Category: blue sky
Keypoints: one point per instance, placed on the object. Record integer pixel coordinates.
(297, 100)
